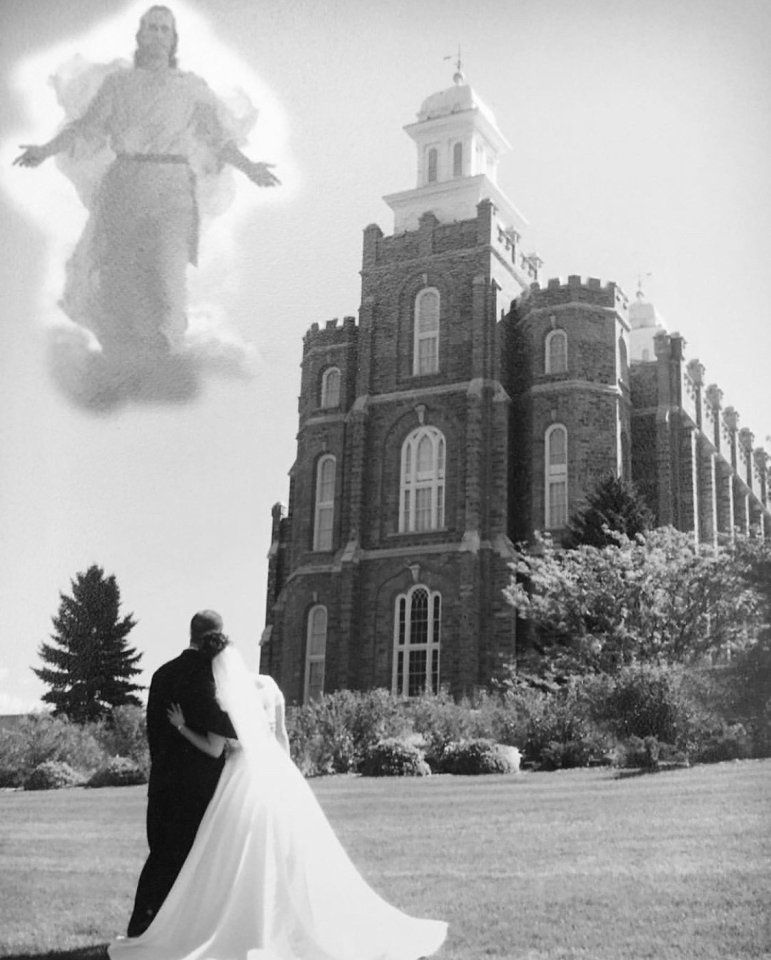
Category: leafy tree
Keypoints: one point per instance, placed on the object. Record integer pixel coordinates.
(89, 664)
(659, 598)
(614, 506)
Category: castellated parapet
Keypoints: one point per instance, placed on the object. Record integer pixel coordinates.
(577, 289)
(432, 238)
(332, 334)
(333, 346)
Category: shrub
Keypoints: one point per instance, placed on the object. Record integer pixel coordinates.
(639, 752)
(647, 753)
(41, 737)
(123, 733)
(560, 731)
(394, 758)
(726, 742)
(52, 775)
(320, 735)
(439, 720)
(591, 750)
(118, 772)
(376, 716)
(305, 743)
(478, 756)
(501, 717)
(333, 734)
(645, 700)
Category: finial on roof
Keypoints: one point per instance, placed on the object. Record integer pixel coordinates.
(640, 293)
(458, 77)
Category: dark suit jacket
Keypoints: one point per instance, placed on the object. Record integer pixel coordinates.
(177, 767)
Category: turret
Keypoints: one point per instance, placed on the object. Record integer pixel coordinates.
(458, 148)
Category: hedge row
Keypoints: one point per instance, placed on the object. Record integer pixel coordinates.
(44, 751)
(642, 717)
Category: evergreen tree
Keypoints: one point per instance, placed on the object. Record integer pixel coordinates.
(614, 506)
(89, 664)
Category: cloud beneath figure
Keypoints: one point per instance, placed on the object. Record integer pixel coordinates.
(102, 380)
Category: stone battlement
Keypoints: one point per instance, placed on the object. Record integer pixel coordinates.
(577, 289)
(333, 333)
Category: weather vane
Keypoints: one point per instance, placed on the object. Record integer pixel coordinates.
(458, 76)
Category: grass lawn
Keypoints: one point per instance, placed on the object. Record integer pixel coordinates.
(538, 866)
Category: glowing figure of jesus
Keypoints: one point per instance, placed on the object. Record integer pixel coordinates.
(165, 127)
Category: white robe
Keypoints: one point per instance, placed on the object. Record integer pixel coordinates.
(144, 159)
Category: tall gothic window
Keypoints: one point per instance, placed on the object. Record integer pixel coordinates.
(556, 455)
(433, 160)
(325, 503)
(457, 160)
(330, 387)
(426, 346)
(417, 640)
(557, 352)
(421, 502)
(315, 652)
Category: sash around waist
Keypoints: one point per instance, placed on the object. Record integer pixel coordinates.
(153, 157)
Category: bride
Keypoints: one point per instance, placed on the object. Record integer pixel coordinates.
(267, 879)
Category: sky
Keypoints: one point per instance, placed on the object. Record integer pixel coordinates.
(640, 140)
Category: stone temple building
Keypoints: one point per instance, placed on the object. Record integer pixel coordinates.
(469, 405)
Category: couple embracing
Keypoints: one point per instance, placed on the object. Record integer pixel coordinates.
(243, 864)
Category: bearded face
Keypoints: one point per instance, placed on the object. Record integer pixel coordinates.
(156, 38)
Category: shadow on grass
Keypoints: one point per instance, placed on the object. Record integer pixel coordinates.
(646, 771)
(97, 952)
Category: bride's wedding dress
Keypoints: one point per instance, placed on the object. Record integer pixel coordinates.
(267, 879)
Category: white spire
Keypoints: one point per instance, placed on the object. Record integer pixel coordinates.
(458, 148)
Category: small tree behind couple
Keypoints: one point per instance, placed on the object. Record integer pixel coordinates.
(243, 862)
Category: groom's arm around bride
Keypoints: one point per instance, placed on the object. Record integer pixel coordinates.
(182, 778)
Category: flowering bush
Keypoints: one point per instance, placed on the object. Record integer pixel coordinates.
(725, 742)
(52, 775)
(123, 733)
(41, 737)
(394, 758)
(118, 772)
(332, 734)
(477, 757)
(439, 720)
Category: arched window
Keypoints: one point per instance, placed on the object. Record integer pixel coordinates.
(556, 352)
(325, 503)
(433, 159)
(556, 455)
(417, 640)
(330, 387)
(457, 160)
(421, 502)
(426, 346)
(315, 652)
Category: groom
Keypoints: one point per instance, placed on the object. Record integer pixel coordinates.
(182, 778)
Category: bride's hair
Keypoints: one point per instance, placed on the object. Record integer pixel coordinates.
(213, 643)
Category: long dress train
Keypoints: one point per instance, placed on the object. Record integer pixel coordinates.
(267, 879)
